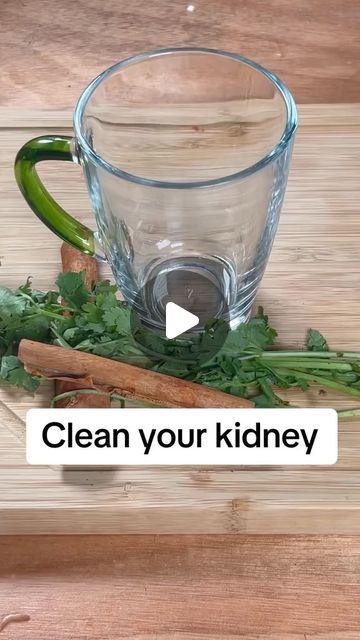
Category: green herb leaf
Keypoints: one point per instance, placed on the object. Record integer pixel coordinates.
(10, 303)
(13, 372)
(315, 341)
(72, 288)
(117, 319)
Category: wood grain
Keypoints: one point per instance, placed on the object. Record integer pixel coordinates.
(48, 56)
(182, 587)
(315, 255)
(308, 587)
(12, 423)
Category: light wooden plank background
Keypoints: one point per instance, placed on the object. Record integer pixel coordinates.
(315, 255)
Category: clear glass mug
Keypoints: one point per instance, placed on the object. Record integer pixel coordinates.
(186, 155)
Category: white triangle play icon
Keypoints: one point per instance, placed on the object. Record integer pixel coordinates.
(178, 320)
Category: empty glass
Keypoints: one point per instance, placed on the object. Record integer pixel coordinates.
(185, 154)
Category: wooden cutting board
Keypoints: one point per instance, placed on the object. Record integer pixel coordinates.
(312, 280)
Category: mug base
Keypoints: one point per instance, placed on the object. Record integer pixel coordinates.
(203, 285)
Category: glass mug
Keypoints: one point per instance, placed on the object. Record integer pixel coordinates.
(186, 155)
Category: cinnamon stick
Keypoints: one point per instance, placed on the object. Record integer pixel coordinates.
(131, 382)
(74, 260)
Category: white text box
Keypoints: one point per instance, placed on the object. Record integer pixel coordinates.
(181, 436)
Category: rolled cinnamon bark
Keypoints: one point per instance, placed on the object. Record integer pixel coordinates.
(74, 260)
(123, 379)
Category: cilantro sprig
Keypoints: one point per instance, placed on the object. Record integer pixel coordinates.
(247, 364)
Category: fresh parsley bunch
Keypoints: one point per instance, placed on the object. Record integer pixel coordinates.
(94, 321)
(247, 363)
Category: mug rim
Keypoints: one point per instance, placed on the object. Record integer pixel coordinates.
(271, 156)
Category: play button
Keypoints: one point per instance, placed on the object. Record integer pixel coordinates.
(178, 320)
(180, 315)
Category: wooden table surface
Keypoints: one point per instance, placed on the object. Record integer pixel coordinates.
(142, 587)
(182, 588)
(50, 50)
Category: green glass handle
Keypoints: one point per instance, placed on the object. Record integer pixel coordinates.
(38, 198)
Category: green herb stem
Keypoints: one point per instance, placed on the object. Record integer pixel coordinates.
(348, 413)
(343, 355)
(62, 342)
(324, 382)
(26, 296)
(290, 363)
(94, 392)
(50, 314)
(63, 308)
